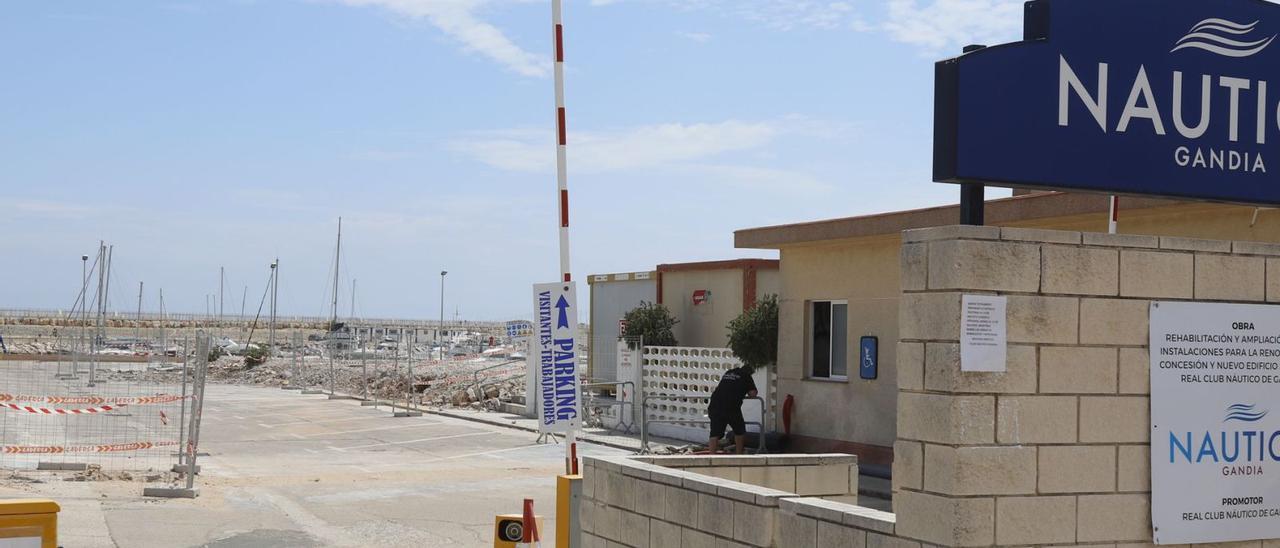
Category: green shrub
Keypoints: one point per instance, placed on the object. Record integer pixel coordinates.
(753, 336)
(215, 353)
(653, 322)
(255, 356)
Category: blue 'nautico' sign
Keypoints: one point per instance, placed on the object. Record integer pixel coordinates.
(1158, 97)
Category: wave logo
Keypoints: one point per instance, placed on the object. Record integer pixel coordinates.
(1223, 37)
(1244, 413)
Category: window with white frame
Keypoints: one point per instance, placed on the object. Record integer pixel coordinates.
(828, 339)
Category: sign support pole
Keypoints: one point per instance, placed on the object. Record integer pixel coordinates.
(973, 196)
(972, 204)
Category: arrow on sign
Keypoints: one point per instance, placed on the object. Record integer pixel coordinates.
(563, 306)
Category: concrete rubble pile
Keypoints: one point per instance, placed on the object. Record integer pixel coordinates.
(51, 346)
(452, 383)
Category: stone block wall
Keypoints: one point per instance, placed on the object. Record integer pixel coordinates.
(696, 502)
(1056, 449)
(830, 477)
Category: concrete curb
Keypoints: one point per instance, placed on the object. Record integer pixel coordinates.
(581, 437)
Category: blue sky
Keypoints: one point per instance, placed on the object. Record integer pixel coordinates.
(194, 135)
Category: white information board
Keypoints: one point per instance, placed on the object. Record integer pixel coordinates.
(983, 333)
(627, 358)
(1215, 441)
(555, 355)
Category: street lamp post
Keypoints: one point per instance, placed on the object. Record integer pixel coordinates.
(441, 326)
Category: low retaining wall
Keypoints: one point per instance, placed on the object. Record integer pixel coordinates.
(833, 476)
(695, 502)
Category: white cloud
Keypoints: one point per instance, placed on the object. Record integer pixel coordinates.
(790, 14)
(777, 14)
(185, 7)
(380, 155)
(699, 37)
(599, 152)
(49, 208)
(945, 26)
(761, 178)
(933, 26)
(936, 27)
(458, 19)
(694, 151)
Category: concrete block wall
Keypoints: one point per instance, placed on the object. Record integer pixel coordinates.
(826, 476)
(1056, 449)
(694, 502)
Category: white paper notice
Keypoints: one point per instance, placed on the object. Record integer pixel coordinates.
(983, 333)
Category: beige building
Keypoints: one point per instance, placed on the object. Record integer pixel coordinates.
(703, 297)
(1054, 451)
(612, 296)
(839, 281)
(706, 296)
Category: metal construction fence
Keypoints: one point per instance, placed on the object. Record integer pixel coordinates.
(59, 317)
(77, 409)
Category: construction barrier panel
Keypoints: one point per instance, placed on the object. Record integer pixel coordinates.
(92, 408)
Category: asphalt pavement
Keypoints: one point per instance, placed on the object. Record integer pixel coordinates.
(293, 470)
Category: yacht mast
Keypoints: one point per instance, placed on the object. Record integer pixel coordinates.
(337, 260)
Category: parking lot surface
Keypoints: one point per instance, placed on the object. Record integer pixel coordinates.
(293, 470)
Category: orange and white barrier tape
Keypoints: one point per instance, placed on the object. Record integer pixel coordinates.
(60, 449)
(91, 400)
(57, 411)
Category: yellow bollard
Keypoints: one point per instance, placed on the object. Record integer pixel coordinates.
(568, 530)
(25, 522)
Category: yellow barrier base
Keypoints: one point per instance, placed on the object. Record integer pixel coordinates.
(26, 522)
(567, 528)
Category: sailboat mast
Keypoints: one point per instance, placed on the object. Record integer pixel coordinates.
(164, 343)
(333, 322)
(337, 260)
(243, 296)
(101, 297)
(137, 320)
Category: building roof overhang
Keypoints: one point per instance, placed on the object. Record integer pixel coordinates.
(1001, 211)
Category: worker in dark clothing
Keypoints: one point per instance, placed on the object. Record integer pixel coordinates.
(726, 407)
